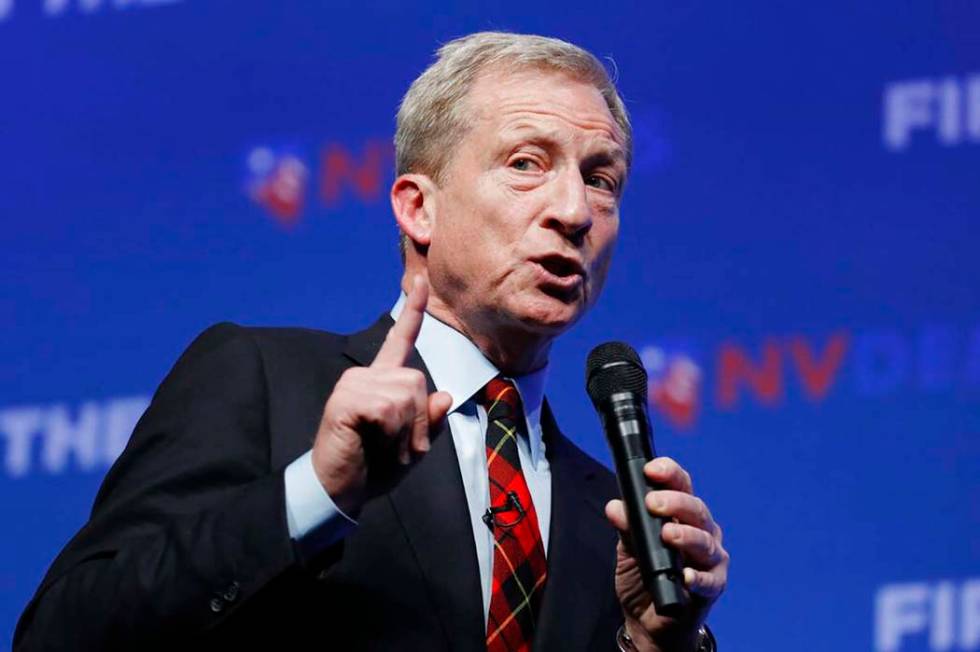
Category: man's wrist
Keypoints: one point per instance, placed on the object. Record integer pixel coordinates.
(632, 637)
(314, 520)
(704, 640)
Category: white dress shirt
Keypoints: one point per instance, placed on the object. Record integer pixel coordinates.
(458, 367)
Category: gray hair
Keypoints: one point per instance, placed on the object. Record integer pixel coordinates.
(433, 117)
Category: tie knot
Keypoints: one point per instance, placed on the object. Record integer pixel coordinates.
(501, 400)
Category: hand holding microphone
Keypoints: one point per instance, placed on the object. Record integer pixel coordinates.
(671, 565)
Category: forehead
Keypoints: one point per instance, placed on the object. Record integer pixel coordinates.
(503, 101)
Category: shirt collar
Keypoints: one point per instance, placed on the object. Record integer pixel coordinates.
(458, 367)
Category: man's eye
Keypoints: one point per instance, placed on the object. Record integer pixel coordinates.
(599, 181)
(522, 164)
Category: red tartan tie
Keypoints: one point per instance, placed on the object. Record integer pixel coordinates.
(519, 567)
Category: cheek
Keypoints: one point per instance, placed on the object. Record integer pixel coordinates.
(469, 252)
(603, 243)
(603, 237)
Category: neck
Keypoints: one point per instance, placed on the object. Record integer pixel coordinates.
(513, 349)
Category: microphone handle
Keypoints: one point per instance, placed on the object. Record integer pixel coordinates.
(628, 432)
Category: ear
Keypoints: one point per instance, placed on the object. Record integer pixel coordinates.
(413, 201)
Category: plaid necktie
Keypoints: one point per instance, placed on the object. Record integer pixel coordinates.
(519, 567)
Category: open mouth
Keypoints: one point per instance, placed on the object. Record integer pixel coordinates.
(561, 266)
(560, 273)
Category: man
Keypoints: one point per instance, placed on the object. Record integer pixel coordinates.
(405, 487)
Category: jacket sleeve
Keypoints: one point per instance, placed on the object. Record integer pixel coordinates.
(190, 522)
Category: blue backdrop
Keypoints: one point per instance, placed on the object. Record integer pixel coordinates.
(798, 262)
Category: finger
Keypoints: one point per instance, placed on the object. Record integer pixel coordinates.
(684, 507)
(668, 474)
(383, 400)
(616, 514)
(401, 337)
(432, 410)
(420, 406)
(704, 583)
(699, 548)
(438, 406)
(385, 421)
(404, 456)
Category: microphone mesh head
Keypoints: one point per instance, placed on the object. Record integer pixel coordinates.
(614, 367)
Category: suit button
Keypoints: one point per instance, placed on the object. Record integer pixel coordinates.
(217, 604)
(231, 593)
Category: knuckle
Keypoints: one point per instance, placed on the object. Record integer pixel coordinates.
(707, 584)
(401, 375)
(377, 402)
(718, 582)
(704, 516)
(413, 379)
(711, 546)
(389, 413)
(385, 412)
(703, 582)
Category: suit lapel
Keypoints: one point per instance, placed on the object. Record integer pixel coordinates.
(580, 559)
(430, 503)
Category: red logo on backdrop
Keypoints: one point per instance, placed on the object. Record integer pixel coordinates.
(675, 383)
(763, 373)
(277, 183)
(277, 180)
(760, 373)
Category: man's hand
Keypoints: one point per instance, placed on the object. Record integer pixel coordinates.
(694, 533)
(383, 407)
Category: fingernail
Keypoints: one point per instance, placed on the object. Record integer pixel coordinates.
(403, 457)
(656, 502)
(689, 577)
(659, 467)
(425, 446)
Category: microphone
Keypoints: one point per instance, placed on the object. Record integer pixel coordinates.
(617, 384)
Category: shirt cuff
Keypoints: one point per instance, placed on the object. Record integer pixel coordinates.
(314, 520)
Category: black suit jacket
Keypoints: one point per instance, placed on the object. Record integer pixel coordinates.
(188, 547)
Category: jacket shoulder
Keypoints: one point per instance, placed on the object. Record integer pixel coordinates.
(282, 337)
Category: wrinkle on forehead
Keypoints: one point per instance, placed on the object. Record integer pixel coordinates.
(502, 97)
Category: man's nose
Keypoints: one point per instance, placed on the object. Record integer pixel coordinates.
(569, 211)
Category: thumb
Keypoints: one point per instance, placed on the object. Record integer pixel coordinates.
(616, 515)
(439, 404)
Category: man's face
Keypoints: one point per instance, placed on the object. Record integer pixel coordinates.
(528, 211)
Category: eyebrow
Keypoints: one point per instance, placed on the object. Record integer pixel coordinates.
(607, 156)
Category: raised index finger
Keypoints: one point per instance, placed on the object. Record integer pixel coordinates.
(400, 340)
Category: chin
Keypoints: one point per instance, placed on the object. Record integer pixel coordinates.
(548, 315)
